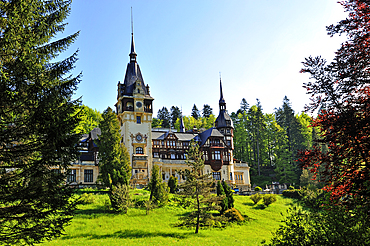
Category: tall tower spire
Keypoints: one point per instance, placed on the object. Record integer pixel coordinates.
(221, 102)
(133, 53)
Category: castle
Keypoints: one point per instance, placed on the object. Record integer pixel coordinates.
(164, 148)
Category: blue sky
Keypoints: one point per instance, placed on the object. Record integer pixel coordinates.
(182, 46)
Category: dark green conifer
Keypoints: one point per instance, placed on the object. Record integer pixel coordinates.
(38, 120)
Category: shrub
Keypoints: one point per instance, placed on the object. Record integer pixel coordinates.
(291, 187)
(268, 199)
(120, 198)
(172, 184)
(292, 194)
(257, 188)
(87, 198)
(256, 198)
(233, 215)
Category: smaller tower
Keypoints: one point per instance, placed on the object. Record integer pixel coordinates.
(224, 122)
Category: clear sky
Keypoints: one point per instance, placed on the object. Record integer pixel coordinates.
(182, 46)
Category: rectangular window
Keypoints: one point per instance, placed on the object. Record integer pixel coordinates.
(88, 175)
(205, 155)
(71, 177)
(156, 154)
(173, 156)
(216, 175)
(217, 155)
(231, 176)
(138, 119)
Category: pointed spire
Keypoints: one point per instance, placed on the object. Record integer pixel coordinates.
(182, 126)
(133, 53)
(222, 102)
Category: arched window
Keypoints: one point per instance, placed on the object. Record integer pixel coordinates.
(139, 150)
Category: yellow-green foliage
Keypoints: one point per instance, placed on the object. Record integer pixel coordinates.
(268, 199)
(233, 215)
(256, 198)
(87, 198)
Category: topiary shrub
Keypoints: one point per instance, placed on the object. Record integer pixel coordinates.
(258, 189)
(256, 198)
(268, 199)
(172, 184)
(233, 215)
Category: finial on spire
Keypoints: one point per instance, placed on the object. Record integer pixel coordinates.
(132, 54)
(132, 23)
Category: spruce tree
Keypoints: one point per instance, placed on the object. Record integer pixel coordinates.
(195, 112)
(158, 189)
(198, 187)
(221, 193)
(38, 120)
(114, 158)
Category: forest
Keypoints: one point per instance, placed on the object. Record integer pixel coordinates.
(269, 143)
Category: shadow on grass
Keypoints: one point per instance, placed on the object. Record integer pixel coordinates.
(132, 234)
(260, 206)
(250, 203)
(93, 211)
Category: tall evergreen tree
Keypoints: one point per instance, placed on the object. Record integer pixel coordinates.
(175, 114)
(164, 116)
(244, 106)
(195, 112)
(198, 187)
(158, 189)
(114, 161)
(207, 111)
(294, 132)
(38, 120)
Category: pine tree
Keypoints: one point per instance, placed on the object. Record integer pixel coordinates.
(38, 120)
(114, 161)
(198, 187)
(175, 114)
(207, 111)
(195, 112)
(164, 116)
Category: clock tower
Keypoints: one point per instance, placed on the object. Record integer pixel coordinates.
(134, 110)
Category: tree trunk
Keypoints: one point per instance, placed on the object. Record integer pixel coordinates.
(198, 215)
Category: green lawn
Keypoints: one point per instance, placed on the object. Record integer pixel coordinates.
(93, 226)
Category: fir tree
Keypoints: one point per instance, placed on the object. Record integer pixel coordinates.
(195, 112)
(158, 189)
(221, 193)
(164, 116)
(38, 121)
(229, 195)
(207, 111)
(198, 187)
(114, 158)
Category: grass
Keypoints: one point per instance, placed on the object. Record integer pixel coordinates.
(93, 225)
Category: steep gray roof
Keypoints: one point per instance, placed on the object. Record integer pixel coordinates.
(211, 132)
(224, 120)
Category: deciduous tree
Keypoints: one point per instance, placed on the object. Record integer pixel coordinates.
(343, 88)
